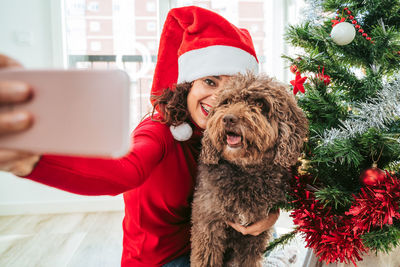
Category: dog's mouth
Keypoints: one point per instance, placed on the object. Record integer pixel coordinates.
(233, 139)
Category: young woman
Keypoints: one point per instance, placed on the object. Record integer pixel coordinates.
(198, 51)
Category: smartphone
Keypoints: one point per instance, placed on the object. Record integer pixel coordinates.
(76, 112)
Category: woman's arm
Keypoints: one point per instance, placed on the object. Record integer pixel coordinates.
(95, 176)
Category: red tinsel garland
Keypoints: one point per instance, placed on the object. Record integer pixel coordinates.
(336, 237)
(376, 205)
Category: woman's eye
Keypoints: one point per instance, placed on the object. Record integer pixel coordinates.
(209, 82)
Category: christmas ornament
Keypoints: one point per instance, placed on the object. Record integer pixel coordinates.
(372, 176)
(353, 21)
(325, 78)
(343, 33)
(182, 132)
(298, 83)
(293, 68)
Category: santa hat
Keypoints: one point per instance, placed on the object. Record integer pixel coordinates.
(195, 43)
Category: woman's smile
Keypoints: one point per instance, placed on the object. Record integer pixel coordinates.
(205, 108)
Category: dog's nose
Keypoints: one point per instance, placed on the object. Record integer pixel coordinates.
(229, 119)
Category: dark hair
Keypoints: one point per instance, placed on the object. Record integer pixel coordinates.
(172, 104)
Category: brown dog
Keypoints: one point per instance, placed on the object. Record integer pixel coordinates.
(254, 135)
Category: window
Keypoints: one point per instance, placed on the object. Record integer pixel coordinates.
(95, 26)
(116, 34)
(93, 6)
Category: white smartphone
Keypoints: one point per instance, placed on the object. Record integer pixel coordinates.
(76, 112)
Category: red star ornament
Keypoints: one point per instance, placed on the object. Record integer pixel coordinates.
(298, 83)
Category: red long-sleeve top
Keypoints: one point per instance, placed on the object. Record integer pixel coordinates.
(157, 178)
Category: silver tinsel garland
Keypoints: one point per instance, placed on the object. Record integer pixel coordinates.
(313, 12)
(378, 112)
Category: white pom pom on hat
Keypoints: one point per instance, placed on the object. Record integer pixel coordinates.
(182, 132)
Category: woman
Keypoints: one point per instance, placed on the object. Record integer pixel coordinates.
(198, 51)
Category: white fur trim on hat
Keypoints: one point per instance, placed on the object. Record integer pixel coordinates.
(215, 60)
(182, 132)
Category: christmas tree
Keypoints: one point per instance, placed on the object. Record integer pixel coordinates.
(346, 194)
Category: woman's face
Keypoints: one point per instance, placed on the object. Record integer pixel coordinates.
(201, 97)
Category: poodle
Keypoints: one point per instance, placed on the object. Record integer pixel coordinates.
(254, 135)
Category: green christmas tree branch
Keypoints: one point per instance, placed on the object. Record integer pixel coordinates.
(281, 241)
(384, 239)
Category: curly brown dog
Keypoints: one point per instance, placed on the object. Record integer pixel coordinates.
(254, 135)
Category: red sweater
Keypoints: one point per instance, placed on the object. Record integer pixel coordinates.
(157, 178)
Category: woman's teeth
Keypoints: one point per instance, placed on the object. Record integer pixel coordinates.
(205, 108)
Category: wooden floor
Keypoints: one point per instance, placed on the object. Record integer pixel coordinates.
(75, 239)
(83, 240)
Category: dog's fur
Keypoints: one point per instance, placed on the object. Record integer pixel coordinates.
(242, 184)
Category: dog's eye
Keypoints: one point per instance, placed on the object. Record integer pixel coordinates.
(259, 104)
(263, 106)
(223, 102)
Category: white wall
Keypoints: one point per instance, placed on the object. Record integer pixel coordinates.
(25, 31)
(31, 32)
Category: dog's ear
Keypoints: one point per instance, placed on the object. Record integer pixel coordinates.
(209, 154)
(292, 128)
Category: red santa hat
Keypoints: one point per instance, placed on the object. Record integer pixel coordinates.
(195, 43)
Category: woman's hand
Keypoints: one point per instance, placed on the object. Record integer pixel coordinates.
(259, 227)
(13, 93)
